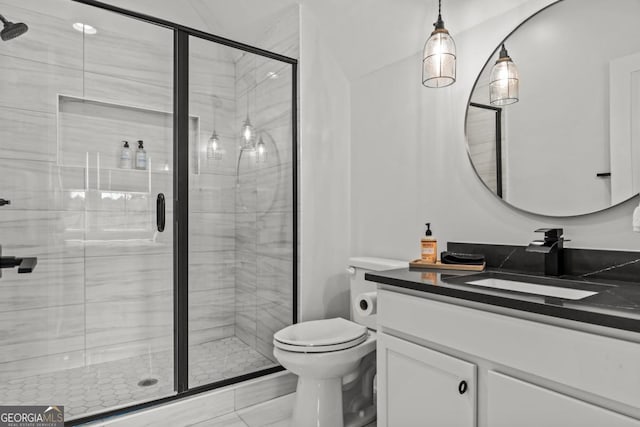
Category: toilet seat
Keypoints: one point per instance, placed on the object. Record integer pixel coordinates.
(319, 349)
(318, 336)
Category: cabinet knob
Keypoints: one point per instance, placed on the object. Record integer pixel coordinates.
(462, 387)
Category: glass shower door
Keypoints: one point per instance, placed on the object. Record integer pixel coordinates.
(91, 327)
(241, 250)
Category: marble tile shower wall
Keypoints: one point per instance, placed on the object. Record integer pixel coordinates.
(264, 238)
(102, 287)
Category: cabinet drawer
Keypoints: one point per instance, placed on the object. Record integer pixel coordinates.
(513, 402)
(604, 366)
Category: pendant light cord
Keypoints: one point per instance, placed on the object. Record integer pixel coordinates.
(439, 24)
(248, 88)
(215, 107)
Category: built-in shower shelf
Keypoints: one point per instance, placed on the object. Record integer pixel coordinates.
(104, 191)
(97, 178)
(90, 134)
(135, 237)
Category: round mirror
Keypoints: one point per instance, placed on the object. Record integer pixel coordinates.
(565, 141)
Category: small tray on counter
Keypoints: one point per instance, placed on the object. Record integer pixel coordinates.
(419, 263)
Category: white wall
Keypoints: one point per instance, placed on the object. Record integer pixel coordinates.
(389, 151)
(324, 176)
(409, 163)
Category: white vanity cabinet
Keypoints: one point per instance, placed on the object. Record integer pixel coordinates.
(512, 402)
(519, 372)
(422, 387)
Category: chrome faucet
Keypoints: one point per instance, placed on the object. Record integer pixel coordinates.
(552, 248)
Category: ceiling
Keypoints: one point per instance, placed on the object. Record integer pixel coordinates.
(363, 35)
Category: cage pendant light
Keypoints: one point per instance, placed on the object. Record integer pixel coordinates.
(504, 83)
(247, 134)
(261, 151)
(439, 56)
(214, 148)
(214, 151)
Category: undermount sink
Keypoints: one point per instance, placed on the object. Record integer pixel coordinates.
(536, 285)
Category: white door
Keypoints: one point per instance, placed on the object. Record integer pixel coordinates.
(624, 128)
(419, 387)
(513, 402)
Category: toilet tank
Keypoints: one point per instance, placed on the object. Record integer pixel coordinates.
(358, 266)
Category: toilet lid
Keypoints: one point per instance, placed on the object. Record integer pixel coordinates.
(320, 348)
(321, 333)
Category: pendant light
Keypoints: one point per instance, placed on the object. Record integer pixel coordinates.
(261, 151)
(247, 133)
(214, 149)
(504, 83)
(439, 56)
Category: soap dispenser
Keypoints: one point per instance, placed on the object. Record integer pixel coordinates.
(125, 156)
(141, 156)
(429, 246)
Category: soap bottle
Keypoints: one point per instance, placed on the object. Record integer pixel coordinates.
(141, 156)
(429, 247)
(125, 156)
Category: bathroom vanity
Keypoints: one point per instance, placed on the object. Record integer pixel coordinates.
(453, 353)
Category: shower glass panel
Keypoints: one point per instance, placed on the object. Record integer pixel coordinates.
(241, 250)
(91, 328)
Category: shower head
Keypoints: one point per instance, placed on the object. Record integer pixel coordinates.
(12, 30)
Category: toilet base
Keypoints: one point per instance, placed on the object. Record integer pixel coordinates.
(318, 403)
(362, 418)
(322, 377)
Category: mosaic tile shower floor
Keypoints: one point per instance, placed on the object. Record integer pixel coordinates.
(96, 388)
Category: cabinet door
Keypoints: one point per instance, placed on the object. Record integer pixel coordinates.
(419, 387)
(513, 402)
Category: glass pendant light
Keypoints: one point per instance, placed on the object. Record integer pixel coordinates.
(439, 56)
(247, 135)
(214, 149)
(247, 131)
(261, 151)
(504, 83)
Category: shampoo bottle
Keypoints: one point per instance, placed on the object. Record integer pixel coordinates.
(429, 246)
(141, 156)
(125, 156)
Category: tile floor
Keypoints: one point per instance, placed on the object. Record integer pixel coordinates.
(273, 413)
(95, 388)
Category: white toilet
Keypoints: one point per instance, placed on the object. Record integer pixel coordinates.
(335, 359)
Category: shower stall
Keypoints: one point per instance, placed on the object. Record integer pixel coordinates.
(161, 272)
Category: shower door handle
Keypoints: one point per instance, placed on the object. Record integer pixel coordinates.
(160, 215)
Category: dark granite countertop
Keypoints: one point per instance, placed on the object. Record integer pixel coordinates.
(616, 305)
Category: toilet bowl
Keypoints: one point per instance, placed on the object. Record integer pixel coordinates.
(333, 355)
(321, 368)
